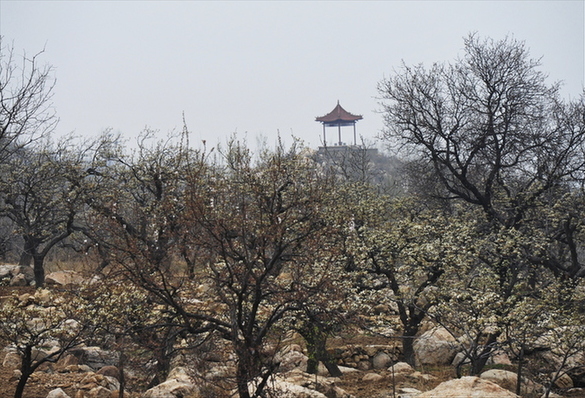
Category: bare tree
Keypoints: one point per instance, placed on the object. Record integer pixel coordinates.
(26, 92)
(495, 134)
(42, 194)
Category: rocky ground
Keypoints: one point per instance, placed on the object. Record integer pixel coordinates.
(366, 374)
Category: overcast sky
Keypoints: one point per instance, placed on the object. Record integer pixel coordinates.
(257, 68)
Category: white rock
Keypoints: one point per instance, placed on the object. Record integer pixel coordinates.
(435, 347)
(285, 389)
(468, 387)
(179, 373)
(170, 389)
(57, 393)
(407, 392)
(381, 360)
(99, 392)
(372, 377)
(12, 360)
(401, 367)
(507, 380)
(291, 360)
(63, 278)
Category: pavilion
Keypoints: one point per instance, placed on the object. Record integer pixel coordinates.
(339, 117)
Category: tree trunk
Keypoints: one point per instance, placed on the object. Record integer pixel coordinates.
(316, 341)
(519, 370)
(26, 371)
(478, 363)
(408, 337)
(39, 269)
(27, 252)
(242, 376)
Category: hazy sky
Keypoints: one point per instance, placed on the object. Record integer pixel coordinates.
(257, 68)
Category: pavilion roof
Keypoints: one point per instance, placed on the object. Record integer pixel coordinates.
(338, 115)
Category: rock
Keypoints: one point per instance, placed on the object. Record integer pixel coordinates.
(63, 278)
(65, 363)
(346, 369)
(435, 347)
(69, 369)
(460, 359)
(507, 380)
(16, 375)
(364, 365)
(401, 367)
(407, 392)
(564, 382)
(84, 369)
(381, 360)
(499, 358)
(178, 384)
(284, 389)
(99, 392)
(7, 271)
(43, 296)
(57, 393)
(27, 271)
(291, 360)
(297, 384)
(552, 395)
(170, 389)
(110, 371)
(12, 360)
(372, 377)
(468, 387)
(19, 280)
(372, 350)
(179, 373)
(95, 357)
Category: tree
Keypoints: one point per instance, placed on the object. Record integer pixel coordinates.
(228, 248)
(264, 227)
(26, 91)
(409, 247)
(41, 331)
(494, 133)
(42, 195)
(137, 219)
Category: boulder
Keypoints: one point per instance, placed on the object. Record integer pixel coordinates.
(407, 392)
(507, 380)
(564, 382)
(284, 389)
(468, 387)
(297, 384)
(291, 360)
(110, 371)
(19, 280)
(57, 393)
(95, 357)
(435, 347)
(170, 389)
(12, 359)
(63, 278)
(381, 360)
(7, 271)
(372, 377)
(98, 392)
(401, 368)
(178, 384)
